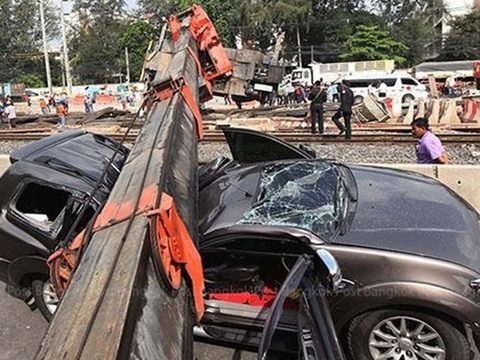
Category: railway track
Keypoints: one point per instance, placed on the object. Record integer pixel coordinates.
(294, 137)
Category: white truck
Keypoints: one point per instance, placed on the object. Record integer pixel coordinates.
(334, 71)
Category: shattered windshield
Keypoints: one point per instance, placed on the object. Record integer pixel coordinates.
(306, 194)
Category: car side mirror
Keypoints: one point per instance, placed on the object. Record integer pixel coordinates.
(334, 274)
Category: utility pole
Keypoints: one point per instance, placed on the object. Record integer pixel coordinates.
(45, 47)
(66, 61)
(299, 45)
(127, 61)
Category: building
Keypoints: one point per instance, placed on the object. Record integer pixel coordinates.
(442, 20)
(455, 8)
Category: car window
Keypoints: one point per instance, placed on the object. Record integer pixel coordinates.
(296, 75)
(42, 206)
(306, 74)
(359, 83)
(390, 81)
(407, 81)
(301, 194)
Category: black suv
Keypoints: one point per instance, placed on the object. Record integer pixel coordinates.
(42, 194)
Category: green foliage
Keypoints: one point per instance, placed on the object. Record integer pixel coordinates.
(463, 42)
(371, 43)
(417, 46)
(136, 37)
(32, 80)
(21, 34)
(96, 54)
(221, 12)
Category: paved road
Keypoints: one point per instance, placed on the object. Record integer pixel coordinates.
(21, 331)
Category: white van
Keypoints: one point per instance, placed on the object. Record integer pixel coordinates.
(399, 86)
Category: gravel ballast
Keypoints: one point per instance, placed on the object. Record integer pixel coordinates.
(466, 154)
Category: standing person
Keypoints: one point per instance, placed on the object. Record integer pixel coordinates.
(124, 100)
(52, 101)
(62, 112)
(280, 94)
(329, 92)
(286, 98)
(373, 89)
(10, 114)
(334, 91)
(382, 90)
(450, 85)
(345, 110)
(87, 102)
(227, 99)
(43, 106)
(289, 91)
(26, 99)
(300, 94)
(429, 149)
(317, 96)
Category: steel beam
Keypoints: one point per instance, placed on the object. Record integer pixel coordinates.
(115, 307)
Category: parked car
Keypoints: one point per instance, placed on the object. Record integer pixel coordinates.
(404, 87)
(42, 194)
(408, 247)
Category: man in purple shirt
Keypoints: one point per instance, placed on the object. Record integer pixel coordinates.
(429, 148)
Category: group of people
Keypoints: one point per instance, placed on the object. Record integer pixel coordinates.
(429, 149)
(288, 94)
(319, 94)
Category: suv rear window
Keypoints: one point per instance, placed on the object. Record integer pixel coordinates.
(300, 194)
(407, 81)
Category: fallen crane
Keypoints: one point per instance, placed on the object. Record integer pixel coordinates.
(129, 293)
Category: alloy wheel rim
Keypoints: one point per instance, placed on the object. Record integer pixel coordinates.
(405, 338)
(50, 297)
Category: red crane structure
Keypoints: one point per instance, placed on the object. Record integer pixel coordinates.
(132, 282)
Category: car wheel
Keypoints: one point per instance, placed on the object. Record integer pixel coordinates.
(45, 297)
(397, 334)
(407, 99)
(357, 100)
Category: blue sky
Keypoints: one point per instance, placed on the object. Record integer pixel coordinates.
(132, 3)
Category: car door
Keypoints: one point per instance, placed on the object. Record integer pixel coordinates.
(317, 338)
(250, 146)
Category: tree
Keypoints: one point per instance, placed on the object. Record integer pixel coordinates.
(32, 80)
(21, 36)
(97, 56)
(136, 38)
(371, 43)
(221, 12)
(463, 42)
(407, 17)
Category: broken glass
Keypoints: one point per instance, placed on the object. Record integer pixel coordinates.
(304, 194)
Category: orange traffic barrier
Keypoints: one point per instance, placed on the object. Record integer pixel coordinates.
(471, 111)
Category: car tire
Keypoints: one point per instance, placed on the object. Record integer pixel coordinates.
(407, 99)
(360, 330)
(45, 298)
